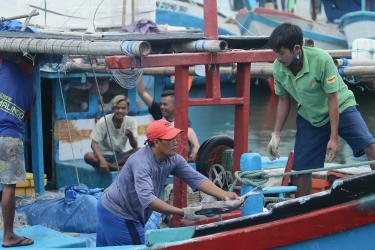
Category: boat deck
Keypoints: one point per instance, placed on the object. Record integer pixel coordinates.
(45, 238)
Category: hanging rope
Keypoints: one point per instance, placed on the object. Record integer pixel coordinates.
(68, 125)
(104, 116)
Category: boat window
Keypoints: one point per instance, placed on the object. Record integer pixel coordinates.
(77, 94)
(109, 89)
(76, 97)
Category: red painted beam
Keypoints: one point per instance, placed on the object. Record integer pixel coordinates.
(241, 114)
(286, 231)
(211, 101)
(181, 121)
(179, 59)
(180, 107)
(213, 81)
(210, 19)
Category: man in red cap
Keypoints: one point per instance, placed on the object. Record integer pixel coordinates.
(133, 196)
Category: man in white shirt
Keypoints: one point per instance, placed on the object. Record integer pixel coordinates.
(110, 135)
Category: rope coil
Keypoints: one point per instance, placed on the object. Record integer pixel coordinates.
(260, 177)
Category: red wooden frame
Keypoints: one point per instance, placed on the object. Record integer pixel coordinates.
(181, 61)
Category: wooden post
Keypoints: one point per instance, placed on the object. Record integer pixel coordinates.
(241, 124)
(37, 136)
(210, 19)
(133, 11)
(213, 81)
(123, 16)
(181, 121)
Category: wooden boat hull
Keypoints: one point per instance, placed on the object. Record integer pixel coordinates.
(358, 24)
(189, 14)
(341, 218)
(263, 21)
(343, 224)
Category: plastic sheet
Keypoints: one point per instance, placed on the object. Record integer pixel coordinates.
(74, 213)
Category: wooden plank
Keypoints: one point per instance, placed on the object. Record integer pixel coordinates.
(212, 101)
(163, 60)
(242, 114)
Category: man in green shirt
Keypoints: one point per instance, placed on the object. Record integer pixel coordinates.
(326, 107)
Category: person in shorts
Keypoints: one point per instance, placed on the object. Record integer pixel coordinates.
(326, 107)
(16, 100)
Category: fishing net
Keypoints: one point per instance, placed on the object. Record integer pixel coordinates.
(127, 79)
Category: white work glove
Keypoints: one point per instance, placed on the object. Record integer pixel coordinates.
(189, 213)
(273, 154)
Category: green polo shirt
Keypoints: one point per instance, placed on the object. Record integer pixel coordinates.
(318, 77)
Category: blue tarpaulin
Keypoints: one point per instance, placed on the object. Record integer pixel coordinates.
(76, 212)
(13, 25)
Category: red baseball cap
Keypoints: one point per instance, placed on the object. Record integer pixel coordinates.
(161, 129)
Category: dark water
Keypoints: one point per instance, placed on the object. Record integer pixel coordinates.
(218, 120)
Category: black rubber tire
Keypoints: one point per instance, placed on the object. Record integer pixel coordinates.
(211, 151)
(202, 149)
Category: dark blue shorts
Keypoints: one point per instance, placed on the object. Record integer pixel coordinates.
(311, 142)
(114, 231)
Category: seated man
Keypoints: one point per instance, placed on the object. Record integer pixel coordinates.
(165, 110)
(110, 135)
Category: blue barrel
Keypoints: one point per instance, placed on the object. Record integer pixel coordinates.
(254, 203)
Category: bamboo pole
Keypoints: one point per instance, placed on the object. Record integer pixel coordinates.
(340, 53)
(34, 12)
(358, 71)
(257, 69)
(133, 11)
(201, 46)
(354, 62)
(74, 47)
(84, 35)
(3, 19)
(123, 16)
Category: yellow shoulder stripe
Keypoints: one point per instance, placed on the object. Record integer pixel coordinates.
(331, 79)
